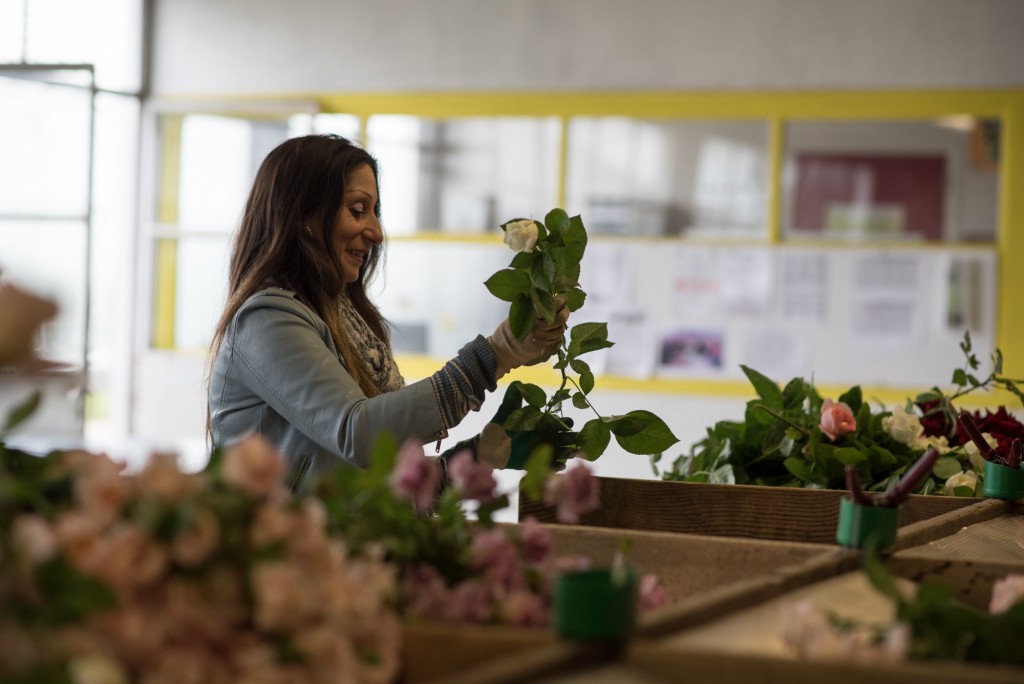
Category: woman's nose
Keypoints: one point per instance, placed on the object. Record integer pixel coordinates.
(375, 230)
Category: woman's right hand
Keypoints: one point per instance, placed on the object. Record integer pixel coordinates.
(539, 345)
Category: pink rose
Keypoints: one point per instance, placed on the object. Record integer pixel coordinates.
(415, 476)
(473, 479)
(469, 601)
(651, 594)
(253, 466)
(525, 609)
(425, 592)
(574, 493)
(837, 419)
(498, 557)
(535, 539)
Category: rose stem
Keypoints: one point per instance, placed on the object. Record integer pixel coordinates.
(979, 440)
(1013, 460)
(853, 484)
(911, 478)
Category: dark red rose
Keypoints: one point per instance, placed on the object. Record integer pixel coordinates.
(937, 423)
(1001, 424)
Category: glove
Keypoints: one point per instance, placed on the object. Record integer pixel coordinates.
(503, 449)
(538, 346)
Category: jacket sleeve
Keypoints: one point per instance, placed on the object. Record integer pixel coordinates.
(280, 353)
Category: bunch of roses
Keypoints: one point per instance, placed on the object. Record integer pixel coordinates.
(166, 576)
(961, 465)
(507, 573)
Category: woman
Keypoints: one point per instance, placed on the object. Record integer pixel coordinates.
(301, 355)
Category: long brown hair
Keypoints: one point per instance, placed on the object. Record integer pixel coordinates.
(284, 240)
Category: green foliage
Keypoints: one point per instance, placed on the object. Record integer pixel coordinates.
(780, 440)
(944, 628)
(532, 283)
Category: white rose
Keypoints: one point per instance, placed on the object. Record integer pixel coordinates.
(974, 453)
(904, 427)
(968, 478)
(521, 235)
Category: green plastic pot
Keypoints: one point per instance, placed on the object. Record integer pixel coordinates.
(1003, 482)
(595, 604)
(860, 524)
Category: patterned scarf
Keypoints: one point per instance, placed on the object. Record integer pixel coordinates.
(371, 349)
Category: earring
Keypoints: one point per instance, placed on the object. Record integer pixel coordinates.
(309, 230)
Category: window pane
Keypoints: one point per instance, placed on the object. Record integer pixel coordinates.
(464, 175)
(916, 180)
(113, 242)
(44, 149)
(48, 258)
(201, 282)
(12, 24)
(637, 177)
(219, 158)
(105, 33)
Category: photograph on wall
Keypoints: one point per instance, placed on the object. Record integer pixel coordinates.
(685, 351)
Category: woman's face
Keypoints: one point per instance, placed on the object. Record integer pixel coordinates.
(357, 229)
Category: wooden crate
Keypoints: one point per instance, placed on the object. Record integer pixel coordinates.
(781, 513)
(729, 632)
(698, 571)
(746, 646)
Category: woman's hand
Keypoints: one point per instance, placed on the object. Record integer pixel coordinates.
(542, 341)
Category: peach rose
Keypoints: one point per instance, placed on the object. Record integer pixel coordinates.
(254, 466)
(197, 542)
(33, 538)
(837, 419)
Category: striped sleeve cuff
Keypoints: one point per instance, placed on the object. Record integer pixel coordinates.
(460, 386)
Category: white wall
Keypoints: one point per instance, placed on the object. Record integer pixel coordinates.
(222, 47)
(266, 47)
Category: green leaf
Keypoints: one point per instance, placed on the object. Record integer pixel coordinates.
(575, 238)
(543, 304)
(594, 438)
(579, 400)
(542, 272)
(523, 260)
(574, 299)
(556, 220)
(22, 411)
(532, 394)
(521, 317)
(654, 437)
(765, 387)
(849, 456)
(879, 575)
(586, 380)
(852, 398)
(538, 469)
(588, 337)
(799, 468)
(794, 393)
(959, 377)
(508, 284)
(523, 419)
(946, 467)
(963, 491)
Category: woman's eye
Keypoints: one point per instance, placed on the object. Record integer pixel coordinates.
(357, 210)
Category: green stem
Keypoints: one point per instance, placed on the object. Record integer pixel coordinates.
(784, 419)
